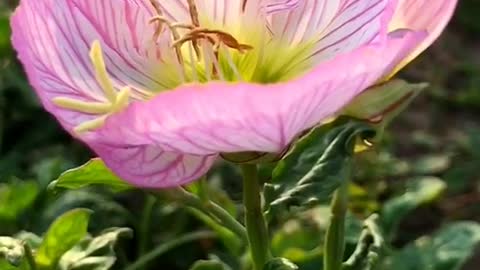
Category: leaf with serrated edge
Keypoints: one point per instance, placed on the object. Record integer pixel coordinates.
(315, 167)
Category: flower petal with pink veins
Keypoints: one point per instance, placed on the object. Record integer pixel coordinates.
(337, 26)
(220, 117)
(150, 167)
(429, 15)
(53, 39)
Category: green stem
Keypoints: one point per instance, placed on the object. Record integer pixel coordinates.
(212, 209)
(254, 219)
(29, 257)
(335, 235)
(164, 248)
(145, 224)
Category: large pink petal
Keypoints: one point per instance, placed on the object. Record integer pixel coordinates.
(150, 167)
(53, 39)
(221, 117)
(337, 26)
(219, 12)
(429, 15)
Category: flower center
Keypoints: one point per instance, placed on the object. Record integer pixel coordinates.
(206, 50)
(207, 54)
(202, 52)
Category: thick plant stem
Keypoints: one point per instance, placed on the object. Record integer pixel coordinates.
(335, 235)
(254, 219)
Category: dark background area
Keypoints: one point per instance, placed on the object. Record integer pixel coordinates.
(437, 136)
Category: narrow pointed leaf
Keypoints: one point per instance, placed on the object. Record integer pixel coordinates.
(94, 172)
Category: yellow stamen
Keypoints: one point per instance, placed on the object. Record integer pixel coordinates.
(96, 56)
(123, 98)
(82, 106)
(116, 100)
(90, 125)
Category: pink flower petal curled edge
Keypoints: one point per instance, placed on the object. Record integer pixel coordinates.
(428, 15)
(155, 131)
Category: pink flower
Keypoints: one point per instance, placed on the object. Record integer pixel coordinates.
(159, 89)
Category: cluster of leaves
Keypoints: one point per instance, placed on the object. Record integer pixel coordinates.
(313, 169)
(66, 246)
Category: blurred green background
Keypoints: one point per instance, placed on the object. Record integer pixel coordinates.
(437, 138)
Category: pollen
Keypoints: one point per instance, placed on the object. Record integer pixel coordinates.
(116, 100)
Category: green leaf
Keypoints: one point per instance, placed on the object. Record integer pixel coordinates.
(16, 197)
(209, 265)
(384, 101)
(315, 167)
(448, 249)
(63, 234)
(4, 34)
(431, 164)
(369, 248)
(280, 264)
(419, 192)
(94, 253)
(94, 172)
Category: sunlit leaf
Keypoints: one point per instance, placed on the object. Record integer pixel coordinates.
(94, 253)
(13, 254)
(209, 265)
(62, 235)
(280, 264)
(93, 172)
(12, 250)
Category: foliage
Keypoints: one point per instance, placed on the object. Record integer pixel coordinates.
(422, 178)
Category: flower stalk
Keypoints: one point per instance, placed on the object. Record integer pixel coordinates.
(334, 247)
(254, 219)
